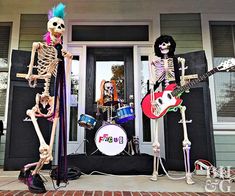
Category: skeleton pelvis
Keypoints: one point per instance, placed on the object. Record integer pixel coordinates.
(45, 105)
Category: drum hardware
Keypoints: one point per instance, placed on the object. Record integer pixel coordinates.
(88, 122)
(109, 155)
(136, 143)
(131, 104)
(79, 145)
(109, 114)
(130, 148)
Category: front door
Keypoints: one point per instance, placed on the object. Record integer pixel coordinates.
(108, 64)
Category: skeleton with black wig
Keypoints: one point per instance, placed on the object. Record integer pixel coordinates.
(164, 69)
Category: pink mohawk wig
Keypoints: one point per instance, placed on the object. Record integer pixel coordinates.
(47, 38)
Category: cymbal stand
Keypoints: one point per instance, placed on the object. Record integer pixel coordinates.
(83, 142)
(109, 113)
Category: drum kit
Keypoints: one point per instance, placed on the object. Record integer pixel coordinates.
(110, 139)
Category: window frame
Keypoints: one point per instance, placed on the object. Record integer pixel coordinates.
(206, 20)
(7, 69)
(94, 43)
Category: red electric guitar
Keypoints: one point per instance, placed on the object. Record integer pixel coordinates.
(169, 98)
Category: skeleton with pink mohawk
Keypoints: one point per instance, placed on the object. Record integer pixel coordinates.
(50, 63)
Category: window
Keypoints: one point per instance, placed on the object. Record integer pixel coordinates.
(74, 99)
(110, 33)
(144, 90)
(223, 40)
(5, 30)
(110, 70)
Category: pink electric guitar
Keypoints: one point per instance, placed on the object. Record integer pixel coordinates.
(169, 98)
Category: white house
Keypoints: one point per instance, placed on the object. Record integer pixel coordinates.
(131, 27)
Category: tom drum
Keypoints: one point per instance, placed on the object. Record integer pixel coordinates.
(87, 121)
(124, 114)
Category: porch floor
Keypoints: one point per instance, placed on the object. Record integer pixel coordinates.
(97, 184)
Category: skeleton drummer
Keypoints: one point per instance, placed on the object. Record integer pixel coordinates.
(164, 70)
(50, 63)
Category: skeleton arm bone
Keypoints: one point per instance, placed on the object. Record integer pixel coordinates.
(154, 81)
(68, 57)
(182, 63)
(35, 47)
(30, 77)
(66, 54)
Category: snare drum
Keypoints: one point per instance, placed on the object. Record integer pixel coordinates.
(87, 121)
(124, 114)
(111, 139)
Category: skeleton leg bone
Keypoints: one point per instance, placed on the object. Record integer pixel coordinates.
(47, 159)
(44, 148)
(156, 153)
(186, 147)
(43, 144)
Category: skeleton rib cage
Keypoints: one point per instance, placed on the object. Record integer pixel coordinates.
(160, 73)
(46, 64)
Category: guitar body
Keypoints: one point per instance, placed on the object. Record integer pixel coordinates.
(163, 101)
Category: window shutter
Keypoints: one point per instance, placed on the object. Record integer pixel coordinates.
(222, 40)
(185, 29)
(32, 29)
(4, 41)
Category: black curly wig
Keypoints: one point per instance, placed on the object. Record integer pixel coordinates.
(166, 39)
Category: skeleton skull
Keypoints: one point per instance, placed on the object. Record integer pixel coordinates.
(56, 28)
(108, 88)
(164, 47)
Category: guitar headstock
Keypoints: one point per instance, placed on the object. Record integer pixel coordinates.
(227, 65)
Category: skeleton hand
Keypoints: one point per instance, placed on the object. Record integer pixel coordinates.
(45, 153)
(67, 54)
(32, 79)
(181, 60)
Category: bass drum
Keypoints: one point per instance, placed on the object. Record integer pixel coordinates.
(111, 139)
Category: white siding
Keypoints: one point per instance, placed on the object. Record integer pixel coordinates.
(225, 150)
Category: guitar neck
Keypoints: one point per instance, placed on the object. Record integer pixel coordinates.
(189, 85)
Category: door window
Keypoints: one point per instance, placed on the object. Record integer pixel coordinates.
(110, 70)
(144, 90)
(74, 99)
